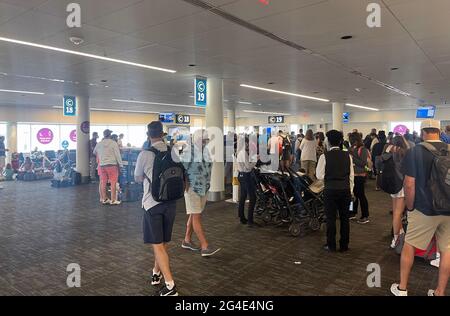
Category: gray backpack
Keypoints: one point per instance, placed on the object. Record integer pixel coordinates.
(439, 182)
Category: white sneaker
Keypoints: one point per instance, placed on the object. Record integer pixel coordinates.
(396, 291)
(106, 202)
(431, 293)
(115, 202)
(394, 243)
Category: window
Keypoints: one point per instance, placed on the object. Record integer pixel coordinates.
(137, 135)
(45, 137)
(51, 136)
(23, 138)
(3, 133)
(68, 133)
(411, 125)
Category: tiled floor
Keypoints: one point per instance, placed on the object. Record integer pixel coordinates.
(42, 230)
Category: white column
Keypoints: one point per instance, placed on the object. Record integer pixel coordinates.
(231, 119)
(338, 111)
(214, 122)
(83, 133)
(11, 132)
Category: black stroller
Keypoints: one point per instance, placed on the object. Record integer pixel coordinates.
(290, 198)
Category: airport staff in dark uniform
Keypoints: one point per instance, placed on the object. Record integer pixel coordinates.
(335, 167)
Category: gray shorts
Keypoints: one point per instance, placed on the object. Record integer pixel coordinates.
(158, 223)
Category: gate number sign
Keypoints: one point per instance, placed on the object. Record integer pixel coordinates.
(276, 119)
(200, 91)
(70, 106)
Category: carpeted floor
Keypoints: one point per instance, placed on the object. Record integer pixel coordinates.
(43, 230)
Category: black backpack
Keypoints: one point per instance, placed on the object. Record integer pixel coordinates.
(168, 177)
(388, 178)
(439, 182)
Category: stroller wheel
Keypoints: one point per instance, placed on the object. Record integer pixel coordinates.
(295, 229)
(314, 224)
(266, 217)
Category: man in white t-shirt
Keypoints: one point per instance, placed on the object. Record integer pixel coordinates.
(159, 217)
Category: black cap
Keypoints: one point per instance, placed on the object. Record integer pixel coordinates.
(155, 129)
(107, 133)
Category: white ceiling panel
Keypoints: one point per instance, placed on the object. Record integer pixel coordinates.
(90, 9)
(32, 26)
(8, 12)
(251, 9)
(144, 14)
(423, 18)
(184, 27)
(27, 4)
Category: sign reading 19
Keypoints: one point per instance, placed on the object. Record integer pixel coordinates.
(200, 92)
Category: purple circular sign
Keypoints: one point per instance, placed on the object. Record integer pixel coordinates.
(400, 129)
(45, 136)
(73, 135)
(85, 127)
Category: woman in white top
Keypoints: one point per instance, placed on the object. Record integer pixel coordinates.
(308, 158)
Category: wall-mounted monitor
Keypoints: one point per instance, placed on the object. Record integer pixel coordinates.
(346, 117)
(167, 117)
(426, 112)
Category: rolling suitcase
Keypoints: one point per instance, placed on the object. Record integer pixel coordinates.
(131, 192)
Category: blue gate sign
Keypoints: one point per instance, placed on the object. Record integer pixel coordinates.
(70, 106)
(65, 144)
(346, 117)
(200, 91)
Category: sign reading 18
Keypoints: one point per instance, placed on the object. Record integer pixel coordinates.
(69, 109)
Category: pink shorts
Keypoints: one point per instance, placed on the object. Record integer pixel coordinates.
(109, 173)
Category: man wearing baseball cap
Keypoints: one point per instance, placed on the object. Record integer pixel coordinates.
(159, 217)
(425, 220)
(110, 159)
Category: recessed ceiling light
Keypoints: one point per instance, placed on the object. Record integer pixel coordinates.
(361, 107)
(346, 37)
(21, 92)
(76, 40)
(284, 92)
(245, 102)
(394, 68)
(72, 52)
(157, 103)
(357, 89)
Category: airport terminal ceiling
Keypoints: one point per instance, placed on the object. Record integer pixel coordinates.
(293, 46)
(258, 151)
